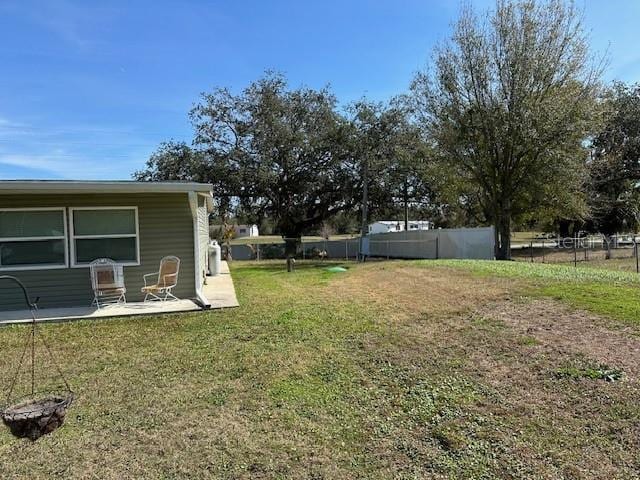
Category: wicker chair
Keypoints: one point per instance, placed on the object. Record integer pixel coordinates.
(166, 280)
(107, 281)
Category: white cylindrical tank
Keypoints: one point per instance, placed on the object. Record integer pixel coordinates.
(214, 258)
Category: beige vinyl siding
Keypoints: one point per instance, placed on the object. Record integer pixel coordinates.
(165, 228)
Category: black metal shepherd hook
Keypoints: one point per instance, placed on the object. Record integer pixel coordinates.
(30, 305)
(37, 416)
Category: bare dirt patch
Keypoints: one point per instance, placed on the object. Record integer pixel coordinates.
(404, 291)
(556, 327)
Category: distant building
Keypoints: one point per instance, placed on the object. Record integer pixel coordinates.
(387, 226)
(246, 231)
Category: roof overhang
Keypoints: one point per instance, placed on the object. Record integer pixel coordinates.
(208, 197)
(104, 186)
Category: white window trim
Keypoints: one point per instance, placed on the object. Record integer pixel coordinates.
(73, 237)
(42, 266)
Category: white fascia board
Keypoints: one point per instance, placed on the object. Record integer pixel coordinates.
(193, 204)
(208, 198)
(54, 186)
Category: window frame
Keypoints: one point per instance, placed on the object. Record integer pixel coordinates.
(73, 237)
(64, 238)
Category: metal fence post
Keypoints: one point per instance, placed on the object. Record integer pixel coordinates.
(387, 249)
(635, 248)
(586, 250)
(438, 246)
(542, 251)
(346, 249)
(531, 250)
(575, 253)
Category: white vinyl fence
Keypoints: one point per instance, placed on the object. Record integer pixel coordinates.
(471, 243)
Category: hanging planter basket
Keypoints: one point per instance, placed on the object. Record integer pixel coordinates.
(39, 413)
(34, 417)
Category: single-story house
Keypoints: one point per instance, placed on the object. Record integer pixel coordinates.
(246, 231)
(387, 226)
(51, 230)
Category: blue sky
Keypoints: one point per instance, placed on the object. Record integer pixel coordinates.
(88, 89)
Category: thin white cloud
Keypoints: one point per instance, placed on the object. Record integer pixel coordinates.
(70, 151)
(48, 164)
(62, 165)
(29, 161)
(12, 129)
(6, 123)
(74, 22)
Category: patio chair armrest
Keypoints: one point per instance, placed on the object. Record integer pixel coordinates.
(144, 277)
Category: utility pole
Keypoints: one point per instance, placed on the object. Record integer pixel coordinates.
(365, 206)
(406, 204)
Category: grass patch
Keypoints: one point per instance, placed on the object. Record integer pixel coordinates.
(619, 302)
(601, 372)
(615, 294)
(528, 341)
(535, 271)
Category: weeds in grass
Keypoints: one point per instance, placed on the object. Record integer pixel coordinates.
(528, 341)
(601, 372)
(606, 292)
(621, 302)
(450, 437)
(560, 273)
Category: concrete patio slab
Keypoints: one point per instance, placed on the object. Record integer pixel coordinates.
(219, 290)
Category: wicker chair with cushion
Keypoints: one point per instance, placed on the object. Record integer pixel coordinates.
(165, 280)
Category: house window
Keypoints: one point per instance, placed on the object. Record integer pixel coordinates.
(243, 230)
(104, 232)
(33, 238)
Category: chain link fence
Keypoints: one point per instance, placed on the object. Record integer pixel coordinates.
(346, 249)
(477, 243)
(621, 250)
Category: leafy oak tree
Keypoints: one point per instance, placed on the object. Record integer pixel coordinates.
(270, 151)
(614, 172)
(508, 104)
(393, 160)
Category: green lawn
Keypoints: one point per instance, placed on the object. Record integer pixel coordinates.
(613, 293)
(441, 369)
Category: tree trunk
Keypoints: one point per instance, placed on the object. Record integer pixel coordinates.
(564, 228)
(608, 240)
(503, 234)
(291, 245)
